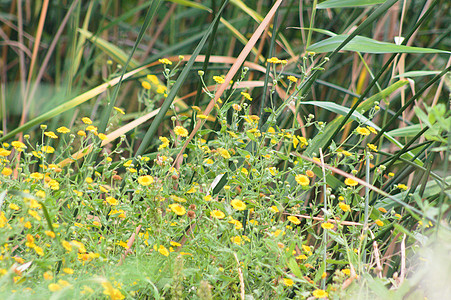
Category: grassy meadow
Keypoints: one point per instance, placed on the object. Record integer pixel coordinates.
(225, 149)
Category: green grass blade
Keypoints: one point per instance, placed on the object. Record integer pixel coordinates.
(347, 3)
(366, 45)
(417, 74)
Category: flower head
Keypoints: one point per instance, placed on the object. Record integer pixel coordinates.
(320, 294)
(177, 209)
(238, 204)
(362, 131)
(180, 131)
(145, 180)
(288, 281)
(165, 61)
(351, 182)
(327, 226)
(294, 220)
(302, 180)
(217, 214)
(63, 129)
(343, 206)
(218, 79)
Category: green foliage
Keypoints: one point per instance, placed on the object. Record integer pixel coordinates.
(319, 172)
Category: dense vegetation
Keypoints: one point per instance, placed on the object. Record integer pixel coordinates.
(224, 149)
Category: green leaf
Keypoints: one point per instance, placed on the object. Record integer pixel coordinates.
(366, 45)
(347, 3)
(406, 131)
(191, 4)
(417, 74)
(291, 262)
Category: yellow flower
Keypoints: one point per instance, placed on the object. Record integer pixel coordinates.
(288, 281)
(346, 271)
(362, 131)
(238, 204)
(68, 270)
(292, 79)
(218, 79)
(274, 209)
(203, 117)
(162, 249)
(382, 210)
(301, 256)
(302, 180)
(114, 293)
(351, 182)
(47, 276)
(180, 131)
(217, 214)
(274, 60)
(112, 201)
(36, 175)
(402, 187)
(146, 85)
(92, 129)
(38, 250)
(371, 129)
(208, 198)
(320, 294)
(246, 96)
(343, 206)
(327, 226)
(295, 142)
(346, 153)
(14, 206)
(50, 134)
(153, 79)
(224, 153)
(177, 209)
(145, 180)
(67, 245)
(236, 107)
(81, 133)
(306, 248)
(165, 142)
(165, 61)
(4, 152)
(7, 171)
(86, 120)
(119, 110)
(372, 147)
(50, 233)
(34, 214)
(175, 244)
(238, 224)
(102, 136)
(48, 149)
(63, 129)
(53, 287)
(178, 199)
(379, 223)
(294, 220)
(237, 240)
(19, 146)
